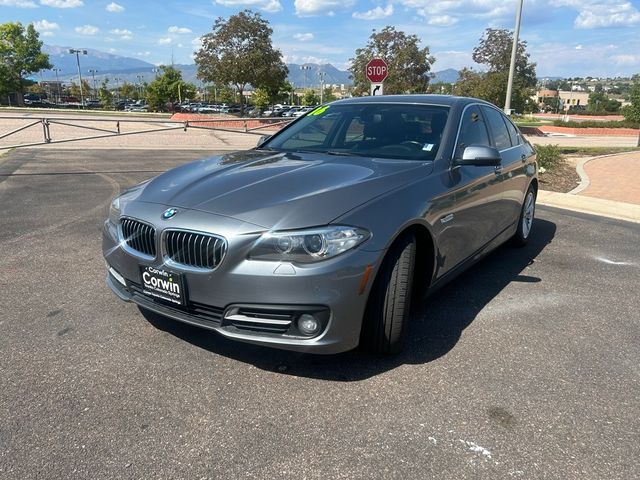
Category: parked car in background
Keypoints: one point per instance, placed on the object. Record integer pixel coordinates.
(317, 239)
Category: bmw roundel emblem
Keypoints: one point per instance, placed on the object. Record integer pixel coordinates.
(169, 213)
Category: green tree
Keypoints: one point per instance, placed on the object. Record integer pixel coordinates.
(310, 97)
(600, 102)
(260, 98)
(441, 88)
(20, 55)
(328, 95)
(168, 87)
(409, 65)
(74, 90)
(239, 52)
(128, 91)
(494, 52)
(105, 95)
(632, 112)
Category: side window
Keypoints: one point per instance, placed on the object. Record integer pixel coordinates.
(513, 133)
(498, 128)
(473, 130)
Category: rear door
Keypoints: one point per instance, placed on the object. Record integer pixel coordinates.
(515, 153)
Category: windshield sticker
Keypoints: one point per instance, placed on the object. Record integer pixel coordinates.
(428, 147)
(319, 110)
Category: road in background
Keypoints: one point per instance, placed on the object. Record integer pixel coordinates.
(525, 367)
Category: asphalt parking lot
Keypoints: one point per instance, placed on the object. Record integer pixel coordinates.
(527, 366)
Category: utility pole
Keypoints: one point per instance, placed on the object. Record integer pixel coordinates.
(305, 69)
(140, 78)
(93, 74)
(512, 66)
(78, 52)
(117, 89)
(322, 75)
(56, 69)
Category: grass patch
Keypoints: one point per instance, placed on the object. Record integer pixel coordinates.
(549, 156)
(586, 151)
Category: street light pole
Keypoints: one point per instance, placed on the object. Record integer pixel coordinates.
(56, 69)
(512, 66)
(78, 52)
(117, 89)
(305, 69)
(322, 75)
(95, 90)
(140, 78)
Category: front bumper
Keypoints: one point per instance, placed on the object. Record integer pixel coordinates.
(334, 287)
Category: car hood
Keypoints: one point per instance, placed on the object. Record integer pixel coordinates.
(280, 190)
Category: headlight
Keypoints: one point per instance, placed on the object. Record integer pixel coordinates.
(114, 211)
(307, 246)
(128, 195)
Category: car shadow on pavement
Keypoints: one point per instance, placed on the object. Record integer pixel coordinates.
(436, 326)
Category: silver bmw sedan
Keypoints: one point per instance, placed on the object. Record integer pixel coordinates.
(317, 239)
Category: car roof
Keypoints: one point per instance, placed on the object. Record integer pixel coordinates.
(444, 100)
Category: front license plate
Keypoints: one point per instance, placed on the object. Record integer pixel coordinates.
(163, 285)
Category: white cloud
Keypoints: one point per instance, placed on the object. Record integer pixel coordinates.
(374, 14)
(143, 54)
(626, 59)
(303, 37)
(123, 33)
(579, 47)
(165, 41)
(270, 6)
(18, 3)
(113, 7)
(602, 13)
(62, 3)
(307, 8)
(87, 30)
(112, 50)
(477, 8)
(175, 29)
(46, 27)
(442, 21)
(196, 43)
(301, 59)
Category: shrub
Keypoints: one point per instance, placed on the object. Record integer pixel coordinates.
(597, 124)
(549, 156)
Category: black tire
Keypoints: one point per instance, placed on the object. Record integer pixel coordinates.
(525, 221)
(389, 306)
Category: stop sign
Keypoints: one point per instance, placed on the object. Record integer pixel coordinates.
(377, 70)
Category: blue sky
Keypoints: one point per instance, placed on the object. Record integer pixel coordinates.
(566, 37)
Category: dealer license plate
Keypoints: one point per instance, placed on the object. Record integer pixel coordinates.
(163, 285)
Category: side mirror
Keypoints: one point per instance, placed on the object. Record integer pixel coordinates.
(480, 156)
(263, 139)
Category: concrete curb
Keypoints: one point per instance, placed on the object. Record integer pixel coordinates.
(594, 206)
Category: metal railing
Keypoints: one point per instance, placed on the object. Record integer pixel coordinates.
(167, 125)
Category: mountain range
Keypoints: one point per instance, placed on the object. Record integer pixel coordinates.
(129, 69)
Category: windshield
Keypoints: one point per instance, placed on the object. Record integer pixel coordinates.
(408, 132)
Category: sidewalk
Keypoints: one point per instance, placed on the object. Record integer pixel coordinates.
(610, 187)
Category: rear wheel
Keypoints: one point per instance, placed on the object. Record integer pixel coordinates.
(388, 309)
(525, 222)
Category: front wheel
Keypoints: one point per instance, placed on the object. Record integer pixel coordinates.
(525, 222)
(388, 309)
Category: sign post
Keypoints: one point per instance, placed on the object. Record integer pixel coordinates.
(377, 71)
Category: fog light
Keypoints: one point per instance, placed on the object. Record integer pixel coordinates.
(308, 324)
